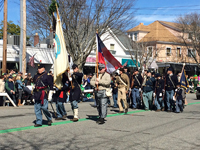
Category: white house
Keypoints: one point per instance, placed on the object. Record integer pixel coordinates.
(118, 43)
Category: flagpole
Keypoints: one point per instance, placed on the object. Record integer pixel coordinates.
(182, 70)
(97, 66)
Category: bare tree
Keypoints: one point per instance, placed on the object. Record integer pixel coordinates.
(189, 25)
(81, 19)
(143, 53)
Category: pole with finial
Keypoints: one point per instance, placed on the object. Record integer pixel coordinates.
(97, 59)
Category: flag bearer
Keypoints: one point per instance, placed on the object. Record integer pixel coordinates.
(103, 82)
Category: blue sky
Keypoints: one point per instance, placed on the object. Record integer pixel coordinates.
(147, 10)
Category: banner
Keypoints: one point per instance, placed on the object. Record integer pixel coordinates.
(61, 63)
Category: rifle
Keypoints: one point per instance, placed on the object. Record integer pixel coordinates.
(164, 88)
(155, 92)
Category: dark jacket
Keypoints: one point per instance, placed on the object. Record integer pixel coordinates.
(150, 84)
(61, 95)
(136, 83)
(169, 85)
(159, 86)
(179, 94)
(75, 93)
(42, 80)
(9, 86)
(114, 87)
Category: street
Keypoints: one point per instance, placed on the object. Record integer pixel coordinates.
(138, 130)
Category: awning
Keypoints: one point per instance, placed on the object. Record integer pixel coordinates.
(130, 63)
(154, 65)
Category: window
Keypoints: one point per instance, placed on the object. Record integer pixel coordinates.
(112, 46)
(131, 36)
(168, 51)
(135, 36)
(112, 52)
(190, 36)
(178, 51)
(191, 53)
(150, 51)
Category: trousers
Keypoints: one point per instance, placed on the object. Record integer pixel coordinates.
(147, 98)
(115, 100)
(159, 103)
(179, 105)
(101, 102)
(60, 108)
(136, 97)
(169, 99)
(38, 107)
(122, 96)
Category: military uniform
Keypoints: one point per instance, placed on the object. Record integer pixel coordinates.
(75, 93)
(123, 86)
(42, 83)
(171, 81)
(60, 98)
(100, 95)
(159, 88)
(179, 100)
(137, 79)
(148, 92)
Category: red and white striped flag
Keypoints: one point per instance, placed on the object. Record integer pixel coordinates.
(31, 61)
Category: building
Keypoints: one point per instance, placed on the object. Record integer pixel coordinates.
(119, 44)
(168, 49)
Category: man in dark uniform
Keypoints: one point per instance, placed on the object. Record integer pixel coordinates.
(148, 91)
(136, 83)
(42, 82)
(171, 81)
(159, 89)
(60, 98)
(75, 91)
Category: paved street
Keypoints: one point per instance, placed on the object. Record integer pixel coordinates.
(138, 130)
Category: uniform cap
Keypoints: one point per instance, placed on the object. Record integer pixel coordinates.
(148, 71)
(41, 66)
(10, 77)
(179, 83)
(157, 75)
(136, 69)
(74, 66)
(170, 69)
(101, 66)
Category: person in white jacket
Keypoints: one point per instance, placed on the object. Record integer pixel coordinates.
(2, 88)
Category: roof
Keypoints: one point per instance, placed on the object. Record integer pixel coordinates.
(140, 27)
(158, 32)
(172, 25)
(123, 38)
(46, 55)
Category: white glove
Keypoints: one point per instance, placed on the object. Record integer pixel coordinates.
(154, 94)
(50, 95)
(139, 89)
(129, 89)
(163, 90)
(70, 78)
(176, 90)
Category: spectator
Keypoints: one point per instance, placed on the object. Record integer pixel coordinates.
(29, 76)
(10, 88)
(20, 89)
(2, 88)
(25, 79)
(114, 91)
(5, 76)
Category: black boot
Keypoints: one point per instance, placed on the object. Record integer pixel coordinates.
(101, 121)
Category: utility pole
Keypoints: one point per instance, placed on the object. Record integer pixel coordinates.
(21, 35)
(24, 37)
(4, 37)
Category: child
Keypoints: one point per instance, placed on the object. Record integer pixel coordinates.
(179, 98)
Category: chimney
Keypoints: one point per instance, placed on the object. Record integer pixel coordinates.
(36, 39)
(141, 23)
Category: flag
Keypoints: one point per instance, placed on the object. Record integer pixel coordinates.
(61, 63)
(125, 64)
(106, 58)
(31, 61)
(184, 82)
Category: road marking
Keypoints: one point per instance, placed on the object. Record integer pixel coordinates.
(66, 122)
